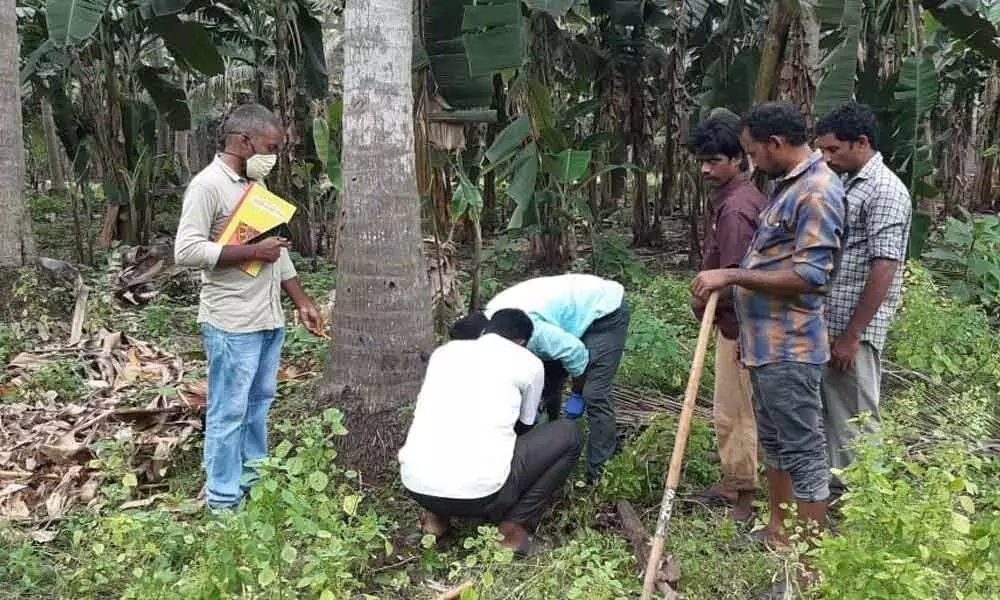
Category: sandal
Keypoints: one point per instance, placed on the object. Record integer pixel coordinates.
(713, 498)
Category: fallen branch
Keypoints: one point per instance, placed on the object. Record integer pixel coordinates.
(669, 574)
(455, 592)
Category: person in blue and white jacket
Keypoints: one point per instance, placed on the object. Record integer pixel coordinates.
(580, 325)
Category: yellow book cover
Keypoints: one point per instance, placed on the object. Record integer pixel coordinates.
(257, 211)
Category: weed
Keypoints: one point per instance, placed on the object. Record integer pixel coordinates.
(966, 257)
(305, 527)
(913, 526)
(941, 338)
(303, 348)
(614, 259)
(659, 347)
(168, 324)
(636, 474)
(11, 343)
(59, 379)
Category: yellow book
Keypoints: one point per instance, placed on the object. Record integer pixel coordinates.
(258, 211)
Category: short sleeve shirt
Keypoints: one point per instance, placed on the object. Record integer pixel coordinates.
(879, 214)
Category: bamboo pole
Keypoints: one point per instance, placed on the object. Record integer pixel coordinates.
(680, 445)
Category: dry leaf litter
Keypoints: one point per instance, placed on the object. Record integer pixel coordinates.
(47, 442)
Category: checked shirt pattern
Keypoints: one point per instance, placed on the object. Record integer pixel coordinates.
(879, 214)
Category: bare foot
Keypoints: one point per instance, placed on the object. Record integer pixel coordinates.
(434, 525)
(717, 495)
(775, 540)
(515, 537)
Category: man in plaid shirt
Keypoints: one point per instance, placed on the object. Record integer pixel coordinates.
(866, 291)
(779, 302)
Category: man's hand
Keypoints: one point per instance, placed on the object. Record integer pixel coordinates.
(575, 406)
(311, 319)
(269, 249)
(711, 281)
(843, 351)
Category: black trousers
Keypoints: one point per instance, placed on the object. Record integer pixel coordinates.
(605, 342)
(543, 459)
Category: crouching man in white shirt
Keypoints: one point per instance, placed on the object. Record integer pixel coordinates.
(472, 450)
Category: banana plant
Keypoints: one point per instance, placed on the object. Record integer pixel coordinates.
(841, 22)
(547, 170)
(326, 140)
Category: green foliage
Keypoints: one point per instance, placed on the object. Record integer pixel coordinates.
(612, 258)
(637, 473)
(661, 337)
(73, 21)
(305, 529)
(913, 527)
(11, 343)
(61, 377)
(317, 277)
(969, 413)
(966, 257)
(302, 347)
(327, 143)
(591, 566)
(500, 260)
(916, 93)
(23, 570)
(937, 336)
(166, 323)
(840, 65)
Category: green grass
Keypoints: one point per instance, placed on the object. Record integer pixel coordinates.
(375, 551)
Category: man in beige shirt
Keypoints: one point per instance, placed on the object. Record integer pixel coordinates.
(241, 318)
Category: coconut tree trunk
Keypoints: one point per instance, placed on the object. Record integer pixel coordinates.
(17, 246)
(382, 322)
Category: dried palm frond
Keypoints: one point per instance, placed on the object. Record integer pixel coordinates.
(926, 408)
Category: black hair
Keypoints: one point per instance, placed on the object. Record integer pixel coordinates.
(776, 119)
(718, 135)
(848, 122)
(468, 327)
(511, 323)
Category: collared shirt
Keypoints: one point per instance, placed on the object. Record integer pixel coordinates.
(800, 229)
(735, 209)
(879, 214)
(461, 442)
(561, 308)
(230, 299)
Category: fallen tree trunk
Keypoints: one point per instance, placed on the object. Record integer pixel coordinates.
(635, 532)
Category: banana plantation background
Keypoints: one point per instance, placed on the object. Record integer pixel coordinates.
(550, 119)
(548, 135)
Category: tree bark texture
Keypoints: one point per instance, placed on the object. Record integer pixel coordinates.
(17, 246)
(983, 185)
(53, 148)
(797, 81)
(778, 23)
(382, 325)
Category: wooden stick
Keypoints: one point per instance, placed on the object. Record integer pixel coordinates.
(680, 445)
(454, 593)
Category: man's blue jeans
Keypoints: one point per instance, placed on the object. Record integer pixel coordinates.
(242, 381)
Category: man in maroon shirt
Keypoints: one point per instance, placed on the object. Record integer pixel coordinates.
(736, 204)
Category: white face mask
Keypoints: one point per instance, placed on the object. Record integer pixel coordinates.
(259, 165)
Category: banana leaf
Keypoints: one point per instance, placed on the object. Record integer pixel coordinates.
(72, 22)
